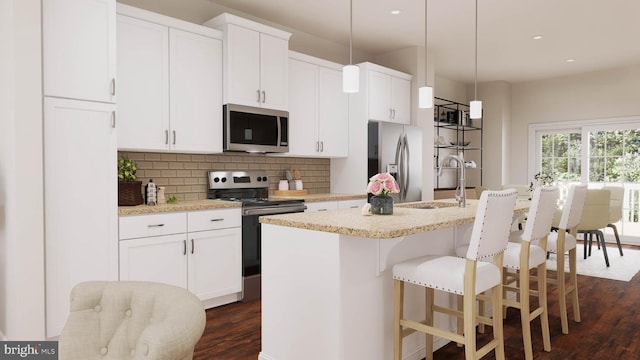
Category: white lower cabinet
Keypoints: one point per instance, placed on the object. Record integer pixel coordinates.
(200, 251)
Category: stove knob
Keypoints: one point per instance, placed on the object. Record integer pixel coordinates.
(258, 179)
(216, 179)
(224, 179)
(264, 178)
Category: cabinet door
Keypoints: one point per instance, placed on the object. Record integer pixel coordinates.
(143, 79)
(242, 82)
(196, 92)
(302, 108)
(78, 38)
(273, 72)
(215, 262)
(401, 100)
(333, 114)
(161, 259)
(80, 200)
(379, 96)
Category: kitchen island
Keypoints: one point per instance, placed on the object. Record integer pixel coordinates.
(327, 289)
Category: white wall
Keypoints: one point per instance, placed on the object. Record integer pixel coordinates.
(21, 173)
(601, 94)
(496, 122)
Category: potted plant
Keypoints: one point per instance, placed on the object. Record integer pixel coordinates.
(129, 189)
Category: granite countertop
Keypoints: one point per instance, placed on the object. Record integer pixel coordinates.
(406, 220)
(185, 205)
(322, 197)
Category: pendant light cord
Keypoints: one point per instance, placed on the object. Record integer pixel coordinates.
(351, 32)
(475, 90)
(426, 66)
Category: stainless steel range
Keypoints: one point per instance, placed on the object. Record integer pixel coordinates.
(251, 188)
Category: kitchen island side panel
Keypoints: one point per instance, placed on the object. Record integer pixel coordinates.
(330, 296)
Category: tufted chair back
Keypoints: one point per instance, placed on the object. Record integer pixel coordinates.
(131, 320)
(490, 232)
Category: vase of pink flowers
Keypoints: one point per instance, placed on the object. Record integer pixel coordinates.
(380, 186)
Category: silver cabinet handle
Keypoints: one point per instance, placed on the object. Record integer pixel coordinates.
(354, 207)
(218, 219)
(321, 146)
(113, 119)
(155, 225)
(184, 248)
(317, 146)
(174, 137)
(113, 86)
(166, 137)
(193, 247)
(323, 209)
(264, 96)
(258, 93)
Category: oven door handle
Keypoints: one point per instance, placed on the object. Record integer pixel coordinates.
(274, 210)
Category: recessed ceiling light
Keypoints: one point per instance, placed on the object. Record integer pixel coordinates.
(571, 60)
(538, 37)
(395, 12)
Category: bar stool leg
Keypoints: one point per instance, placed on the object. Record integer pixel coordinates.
(398, 295)
(429, 301)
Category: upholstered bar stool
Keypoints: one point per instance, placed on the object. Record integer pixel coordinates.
(561, 242)
(462, 276)
(522, 256)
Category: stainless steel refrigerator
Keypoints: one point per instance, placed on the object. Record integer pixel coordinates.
(397, 149)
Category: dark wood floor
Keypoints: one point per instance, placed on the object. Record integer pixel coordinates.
(610, 327)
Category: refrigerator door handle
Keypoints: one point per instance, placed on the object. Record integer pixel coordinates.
(408, 168)
(400, 150)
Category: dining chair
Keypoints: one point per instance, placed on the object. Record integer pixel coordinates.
(595, 217)
(564, 241)
(522, 256)
(468, 277)
(615, 211)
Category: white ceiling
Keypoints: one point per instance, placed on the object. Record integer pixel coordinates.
(598, 34)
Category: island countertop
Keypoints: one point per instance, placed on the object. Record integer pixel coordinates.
(407, 219)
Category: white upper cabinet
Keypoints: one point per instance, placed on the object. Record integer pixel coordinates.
(255, 66)
(195, 71)
(318, 109)
(171, 84)
(389, 94)
(79, 58)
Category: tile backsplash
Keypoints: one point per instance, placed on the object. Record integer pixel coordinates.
(185, 175)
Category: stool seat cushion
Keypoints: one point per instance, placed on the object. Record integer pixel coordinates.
(511, 258)
(446, 273)
(552, 242)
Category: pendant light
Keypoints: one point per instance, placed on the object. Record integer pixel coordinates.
(351, 73)
(475, 107)
(425, 93)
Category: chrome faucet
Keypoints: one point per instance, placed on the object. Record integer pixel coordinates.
(461, 194)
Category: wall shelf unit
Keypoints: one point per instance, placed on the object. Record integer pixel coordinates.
(456, 133)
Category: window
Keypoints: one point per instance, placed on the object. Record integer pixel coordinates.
(598, 153)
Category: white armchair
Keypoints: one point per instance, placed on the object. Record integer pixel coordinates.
(131, 320)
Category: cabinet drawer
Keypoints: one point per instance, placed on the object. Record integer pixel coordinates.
(321, 206)
(214, 219)
(138, 226)
(351, 204)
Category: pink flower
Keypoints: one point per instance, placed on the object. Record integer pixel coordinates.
(382, 184)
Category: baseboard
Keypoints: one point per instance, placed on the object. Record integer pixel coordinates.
(222, 300)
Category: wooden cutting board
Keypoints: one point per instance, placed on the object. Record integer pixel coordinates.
(290, 192)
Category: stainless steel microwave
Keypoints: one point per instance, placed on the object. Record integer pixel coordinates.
(253, 129)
